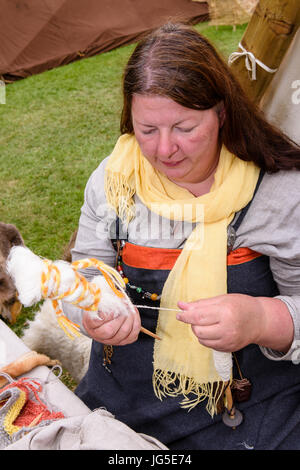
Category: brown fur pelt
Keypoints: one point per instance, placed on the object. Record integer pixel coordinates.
(10, 307)
(67, 255)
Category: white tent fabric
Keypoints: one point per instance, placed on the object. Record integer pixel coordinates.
(281, 102)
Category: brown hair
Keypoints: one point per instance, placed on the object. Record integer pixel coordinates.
(177, 62)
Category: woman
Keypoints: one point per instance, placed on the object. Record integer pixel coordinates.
(206, 196)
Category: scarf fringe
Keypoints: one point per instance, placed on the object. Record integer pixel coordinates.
(119, 194)
(172, 384)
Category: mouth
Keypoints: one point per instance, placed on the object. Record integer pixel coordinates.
(172, 164)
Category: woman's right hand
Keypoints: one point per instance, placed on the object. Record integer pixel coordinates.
(114, 331)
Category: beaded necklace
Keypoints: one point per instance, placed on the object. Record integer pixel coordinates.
(144, 294)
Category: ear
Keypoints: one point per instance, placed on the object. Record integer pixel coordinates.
(67, 255)
(14, 236)
(11, 234)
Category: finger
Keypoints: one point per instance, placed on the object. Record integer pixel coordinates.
(217, 345)
(132, 336)
(210, 339)
(201, 303)
(137, 322)
(92, 322)
(204, 316)
(98, 317)
(105, 316)
(124, 331)
(197, 317)
(207, 333)
(185, 305)
(127, 333)
(188, 316)
(102, 329)
(110, 331)
(198, 303)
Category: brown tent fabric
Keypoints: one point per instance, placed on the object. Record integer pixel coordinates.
(38, 35)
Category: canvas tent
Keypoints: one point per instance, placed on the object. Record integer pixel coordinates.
(36, 35)
(281, 101)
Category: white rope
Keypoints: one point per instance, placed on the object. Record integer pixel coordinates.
(158, 308)
(250, 61)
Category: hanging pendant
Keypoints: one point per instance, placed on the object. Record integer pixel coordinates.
(241, 390)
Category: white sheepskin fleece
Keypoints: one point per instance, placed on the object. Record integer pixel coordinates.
(45, 336)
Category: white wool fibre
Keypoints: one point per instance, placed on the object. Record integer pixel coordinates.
(109, 302)
(26, 270)
(223, 364)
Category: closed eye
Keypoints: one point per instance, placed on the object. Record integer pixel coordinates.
(185, 129)
(147, 132)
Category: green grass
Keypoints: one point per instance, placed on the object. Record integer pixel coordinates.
(56, 127)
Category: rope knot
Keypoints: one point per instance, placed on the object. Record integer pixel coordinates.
(250, 61)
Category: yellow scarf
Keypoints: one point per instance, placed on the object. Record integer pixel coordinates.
(181, 365)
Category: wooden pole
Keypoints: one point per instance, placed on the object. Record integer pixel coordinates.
(268, 36)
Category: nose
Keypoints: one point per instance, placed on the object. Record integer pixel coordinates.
(166, 146)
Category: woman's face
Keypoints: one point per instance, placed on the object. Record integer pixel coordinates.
(181, 143)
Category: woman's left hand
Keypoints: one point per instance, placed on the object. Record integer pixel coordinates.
(226, 322)
(117, 331)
